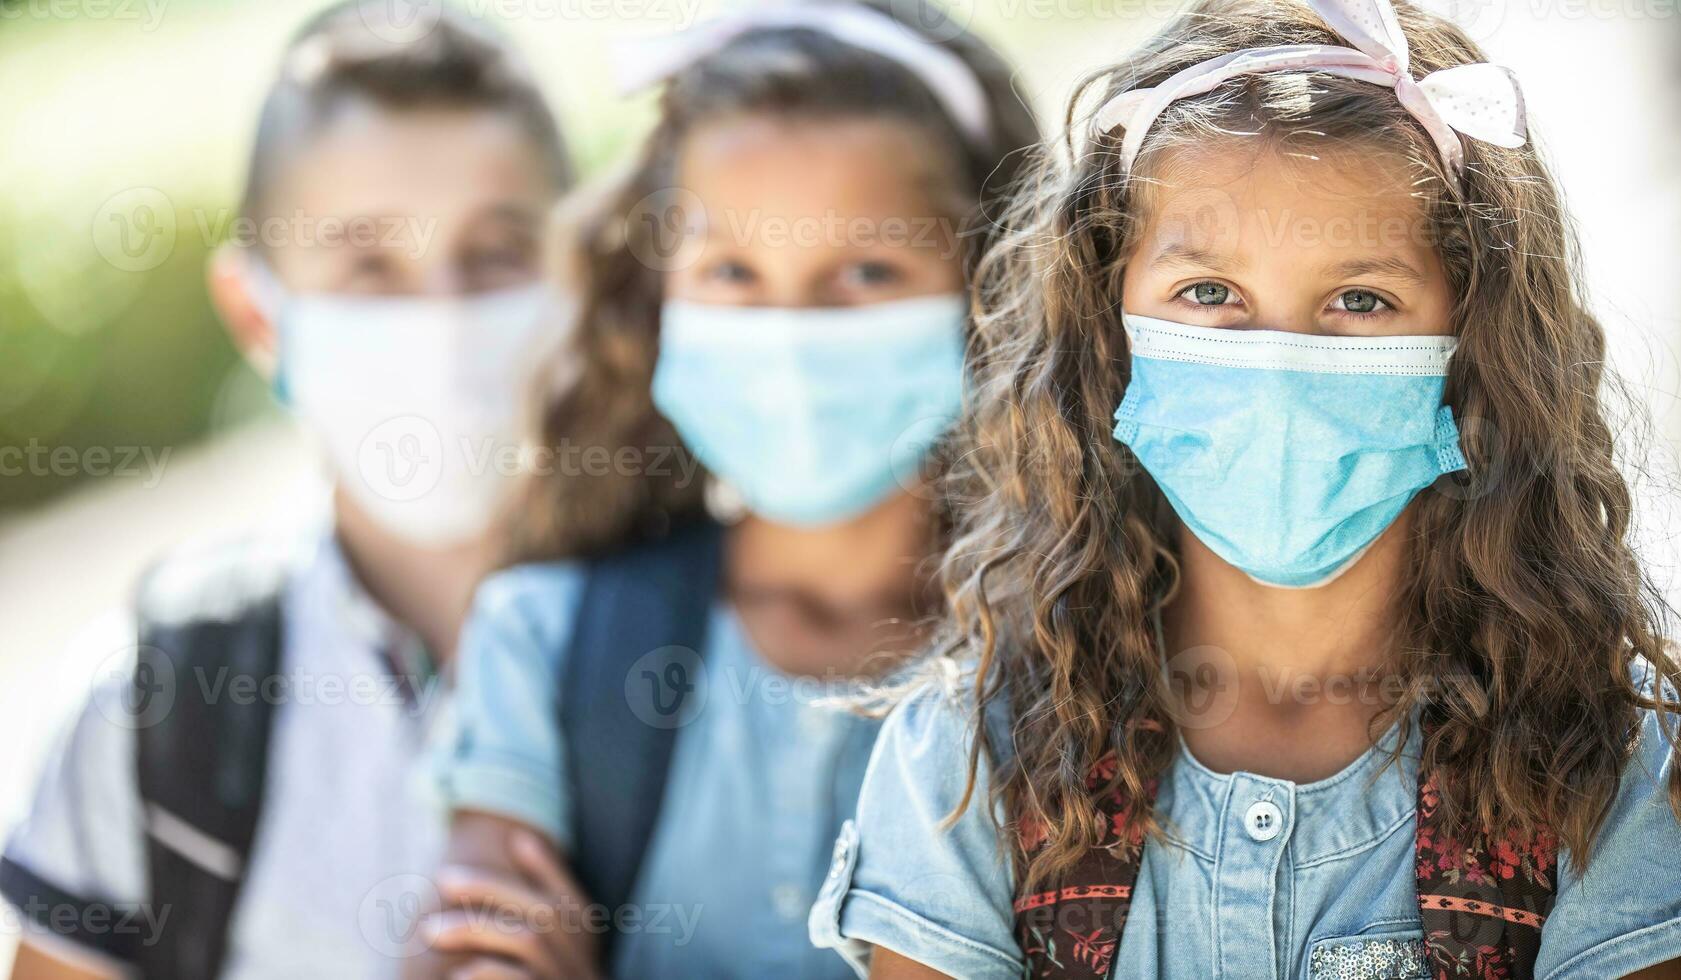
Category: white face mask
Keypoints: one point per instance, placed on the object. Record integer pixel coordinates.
(416, 401)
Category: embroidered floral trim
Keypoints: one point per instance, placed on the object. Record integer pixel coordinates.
(1072, 893)
(1368, 959)
(1472, 906)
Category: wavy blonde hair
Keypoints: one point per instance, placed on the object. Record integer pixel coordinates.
(612, 251)
(1524, 606)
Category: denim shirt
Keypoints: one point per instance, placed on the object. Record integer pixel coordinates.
(760, 780)
(1325, 888)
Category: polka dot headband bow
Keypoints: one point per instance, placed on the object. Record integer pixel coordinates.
(1481, 101)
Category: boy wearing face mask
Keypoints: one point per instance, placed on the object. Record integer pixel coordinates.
(240, 802)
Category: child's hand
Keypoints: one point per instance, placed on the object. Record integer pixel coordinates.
(527, 924)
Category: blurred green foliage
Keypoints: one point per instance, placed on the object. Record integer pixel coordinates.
(85, 362)
(93, 354)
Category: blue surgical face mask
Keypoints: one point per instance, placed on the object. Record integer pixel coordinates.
(1287, 454)
(812, 415)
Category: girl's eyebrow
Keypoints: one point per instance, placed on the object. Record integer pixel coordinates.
(1179, 253)
(1389, 265)
(510, 212)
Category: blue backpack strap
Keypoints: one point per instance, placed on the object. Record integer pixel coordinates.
(210, 635)
(633, 664)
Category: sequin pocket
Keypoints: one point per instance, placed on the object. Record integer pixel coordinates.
(1392, 956)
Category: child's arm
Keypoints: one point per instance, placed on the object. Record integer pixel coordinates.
(888, 965)
(508, 899)
(483, 842)
(35, 963)
(502, 778)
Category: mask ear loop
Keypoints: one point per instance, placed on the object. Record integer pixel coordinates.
(1126, 418)
(1126, 413)
(267, 290)
(270, 296)
(1449, 457)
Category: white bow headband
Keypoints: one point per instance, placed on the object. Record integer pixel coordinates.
(652, 60)
(1481, 101)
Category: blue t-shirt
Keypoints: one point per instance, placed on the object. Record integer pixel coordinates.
(761, 777)
(1324, 889)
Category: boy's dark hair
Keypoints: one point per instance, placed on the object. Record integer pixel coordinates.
(339, 58)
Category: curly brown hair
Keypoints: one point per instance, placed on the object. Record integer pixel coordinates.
(614, 251)
(1524, 608)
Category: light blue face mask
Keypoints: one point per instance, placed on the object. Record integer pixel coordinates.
(1287, 454)
(812, 415)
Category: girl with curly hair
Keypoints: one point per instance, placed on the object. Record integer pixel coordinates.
(1293, 625)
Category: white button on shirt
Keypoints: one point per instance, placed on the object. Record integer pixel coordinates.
(1264, 820)
(349, 825)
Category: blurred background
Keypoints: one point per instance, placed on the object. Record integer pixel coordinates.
(128, 424)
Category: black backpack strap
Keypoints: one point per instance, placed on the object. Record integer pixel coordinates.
(210, 640)
(632, 680)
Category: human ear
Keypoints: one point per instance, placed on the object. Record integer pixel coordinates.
(249, 324)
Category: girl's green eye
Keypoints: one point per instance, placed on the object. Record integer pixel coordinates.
(728, 271)
(872, 274)
(1359, 301)
(1210, 293)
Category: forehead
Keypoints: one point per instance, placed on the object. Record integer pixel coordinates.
(438, 164)
(847, 167)
(1246, 206)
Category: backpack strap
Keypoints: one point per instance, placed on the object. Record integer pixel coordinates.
(210, 633)
(1482, 903)
(633, 678)
(1072, 930)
